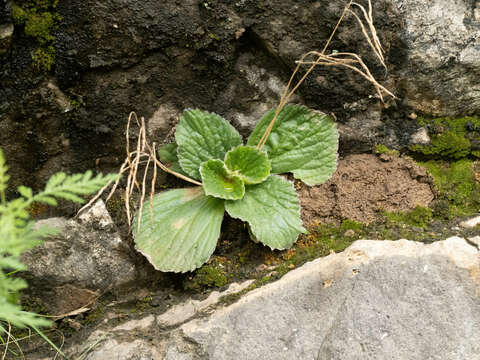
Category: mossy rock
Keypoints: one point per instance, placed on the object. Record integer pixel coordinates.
(451, 137)
(458, 188)
(40, 21)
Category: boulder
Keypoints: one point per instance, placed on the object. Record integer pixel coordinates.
(85, 259)
(378, 299)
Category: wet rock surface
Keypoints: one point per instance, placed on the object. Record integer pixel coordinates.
(379, 299)
(364, 185)
(85, 259)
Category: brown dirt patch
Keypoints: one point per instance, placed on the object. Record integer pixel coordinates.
(363, 185)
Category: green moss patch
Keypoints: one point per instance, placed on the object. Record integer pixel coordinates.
(458, 188)
(451, 138)
(382, 149)
(420, 217)
(211, 275)
(40, 20)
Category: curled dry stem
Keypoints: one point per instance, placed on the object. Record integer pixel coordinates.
(133, 160)
(346, 60)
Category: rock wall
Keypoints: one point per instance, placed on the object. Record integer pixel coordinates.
(234, 58)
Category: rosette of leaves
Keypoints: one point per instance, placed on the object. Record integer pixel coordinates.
(180, 231)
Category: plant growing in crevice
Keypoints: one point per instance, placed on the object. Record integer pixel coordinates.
(240, 179)
(179, 230)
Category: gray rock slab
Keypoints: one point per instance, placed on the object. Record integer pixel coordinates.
(438, 33)
(376, 300)
(471, 223)
(87, 254)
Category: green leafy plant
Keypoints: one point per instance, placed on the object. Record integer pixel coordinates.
(18, 234)
(180, 232)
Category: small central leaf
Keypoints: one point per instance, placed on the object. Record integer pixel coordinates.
(219, 182)
(202, 136)
(250, 164)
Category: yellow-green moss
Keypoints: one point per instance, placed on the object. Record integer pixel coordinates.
(93, 316)
(208, 276)
(420, 216)
(40, 20)
(456, 185)
(382, 149)
(449, 137)
(44, 58)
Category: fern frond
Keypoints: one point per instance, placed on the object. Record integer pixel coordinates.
(17, 234)
(71, 187)
(26, 192)
(14, 315)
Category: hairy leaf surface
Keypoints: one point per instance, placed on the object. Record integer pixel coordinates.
(184, 230)
(202, 136)
(250, 164)
(272, 210)
(302, 141)
(218, 182)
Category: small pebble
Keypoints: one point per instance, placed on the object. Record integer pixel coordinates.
(349, 233)
(471, 223)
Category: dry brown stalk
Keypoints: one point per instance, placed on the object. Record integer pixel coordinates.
(143, 153)
(9, 333)
(348, 61)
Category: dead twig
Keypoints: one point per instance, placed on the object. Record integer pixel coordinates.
(345, 60)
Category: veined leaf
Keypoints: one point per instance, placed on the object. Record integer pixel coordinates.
(202, 136)
(302, 141)
(184, 230)
(218, 182)
(272, 210)
(248, 163)
(168, 155)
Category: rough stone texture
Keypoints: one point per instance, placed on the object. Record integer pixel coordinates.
(112, 349)
(6, 32)
(471, 223)
(376, 300)
(232, 58)
(124, 340)
(183, 312)
(421, 137)
(363, 185)
(87, 255)
(443, 41)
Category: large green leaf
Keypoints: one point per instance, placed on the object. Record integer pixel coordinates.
(218, 182)
(250, 164)
(184, 230)
(302, 141)
(272, 210)
(168, 155)
(202, 136)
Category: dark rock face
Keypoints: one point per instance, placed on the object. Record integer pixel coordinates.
(233, 58)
